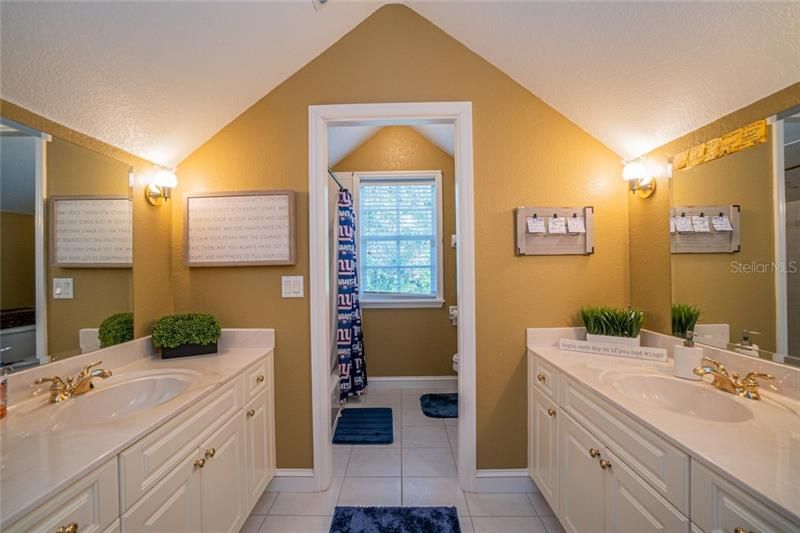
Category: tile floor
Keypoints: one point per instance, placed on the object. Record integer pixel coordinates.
(418, 469)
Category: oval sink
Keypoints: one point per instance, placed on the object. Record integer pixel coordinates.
(112, 401)
(691, 399)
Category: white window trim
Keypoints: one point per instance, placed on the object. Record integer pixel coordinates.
(405, 302)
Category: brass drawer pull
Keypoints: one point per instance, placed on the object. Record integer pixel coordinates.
(260, 378)
(251, 413)
(542, 378)
(211, 452)
(605, 465)
(72, 527)
(200, 463)
(551, 412)
(594, 452)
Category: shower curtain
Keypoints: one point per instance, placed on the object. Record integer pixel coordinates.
(349, 337)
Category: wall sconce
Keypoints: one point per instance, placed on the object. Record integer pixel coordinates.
(641, 173)
(160, 188)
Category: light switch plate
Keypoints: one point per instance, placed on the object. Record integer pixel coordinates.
(291, 286)
(63, 289)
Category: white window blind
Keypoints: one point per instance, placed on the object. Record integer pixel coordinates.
(399, 237)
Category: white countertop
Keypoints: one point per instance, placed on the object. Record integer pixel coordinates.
(761, 455)
(39, 457)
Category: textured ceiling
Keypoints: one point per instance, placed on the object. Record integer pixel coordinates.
(634, 74)
(159, 78)
(343, 140)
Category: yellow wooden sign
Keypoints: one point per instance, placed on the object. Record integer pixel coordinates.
(731, 142)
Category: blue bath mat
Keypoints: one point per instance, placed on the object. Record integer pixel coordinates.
(439, 405)
(395, 520)
(364, 425)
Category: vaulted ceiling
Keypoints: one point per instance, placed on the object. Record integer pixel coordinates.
(160, 78)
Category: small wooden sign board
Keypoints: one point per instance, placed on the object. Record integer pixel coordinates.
(617, 350)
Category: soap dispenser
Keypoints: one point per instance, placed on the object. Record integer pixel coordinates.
(746, 345)
(686, 358)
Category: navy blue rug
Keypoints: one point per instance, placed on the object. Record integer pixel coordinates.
(439, 405)
(395, 520)
(364, 425)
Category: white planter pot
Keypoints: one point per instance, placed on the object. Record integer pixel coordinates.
(609, 339)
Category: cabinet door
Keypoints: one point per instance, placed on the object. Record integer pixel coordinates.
(173, 505)
(632, 506)
(581, 482)
(257, 437)
(91, 502)
(720, 507)
(545, 448)
(224, 478)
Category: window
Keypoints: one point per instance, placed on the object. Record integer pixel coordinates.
(399, 217)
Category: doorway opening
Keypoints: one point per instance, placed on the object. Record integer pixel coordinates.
(409, 279)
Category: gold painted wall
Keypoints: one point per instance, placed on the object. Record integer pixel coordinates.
(650, 250)
(390, 350)
(152, 261)
(99, 292)
(17, 283)
(524, 153)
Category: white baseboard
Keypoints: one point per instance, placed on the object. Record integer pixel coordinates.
(293, 480)
(413, 382)
(504, 480)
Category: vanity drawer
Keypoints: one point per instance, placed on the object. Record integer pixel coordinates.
(545, 378)
(719, 506)
(91, 502)
(659, 463)
(258, 378)
(146, 462)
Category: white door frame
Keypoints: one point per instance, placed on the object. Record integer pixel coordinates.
(320, 117)
(779, 201)
(40, 192)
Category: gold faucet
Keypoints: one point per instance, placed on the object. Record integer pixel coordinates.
(60, 390)
(746, 387)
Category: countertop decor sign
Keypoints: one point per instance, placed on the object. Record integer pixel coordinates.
(186, 335)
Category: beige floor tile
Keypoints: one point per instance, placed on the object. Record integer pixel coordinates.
(308, 503)
(424, 437)
(499, 504)
(429, 462)
(414, 416)
(540, 504)
(264, 503)
(296, 524)
(434, 491)
(466, 524)
(341, 456)
(252, 524)
(528, 524)
(371, 491)
(374, 461)
(552, 524)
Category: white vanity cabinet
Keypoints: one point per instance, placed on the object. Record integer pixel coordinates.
(602, 470)
(202, 470)
(91, 504)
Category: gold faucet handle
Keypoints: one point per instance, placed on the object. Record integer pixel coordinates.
(751, 377)
(55, 381)
(88, 367)
(716, 364)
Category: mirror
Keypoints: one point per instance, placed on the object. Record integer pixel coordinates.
(66, 249)
(735, 239)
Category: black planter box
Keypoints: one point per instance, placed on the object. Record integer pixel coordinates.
(187, 350)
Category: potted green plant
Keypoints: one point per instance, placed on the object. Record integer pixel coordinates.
(684, 319)
(116, 329)
(186, 334)
(612, 325)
